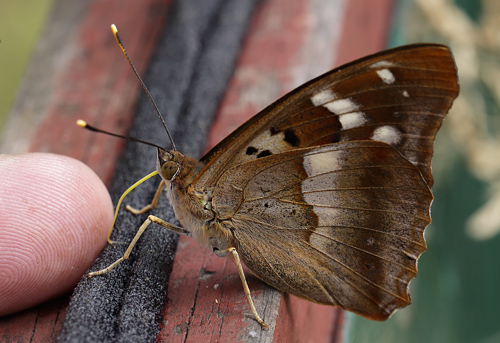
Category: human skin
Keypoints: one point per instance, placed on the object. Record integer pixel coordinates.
(55, 214)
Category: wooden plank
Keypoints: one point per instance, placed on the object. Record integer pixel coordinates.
(366, 29)
(90, 79)
(303, 321)
(288, 43)
(39, 83)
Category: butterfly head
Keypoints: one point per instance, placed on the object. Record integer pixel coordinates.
(169, 164)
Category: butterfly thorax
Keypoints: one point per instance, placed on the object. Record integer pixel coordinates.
(192, 206)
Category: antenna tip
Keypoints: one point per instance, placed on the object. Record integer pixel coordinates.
(114, 29)
(81, 123)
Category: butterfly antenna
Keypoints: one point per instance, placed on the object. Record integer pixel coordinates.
(122, 47)
(83, 123)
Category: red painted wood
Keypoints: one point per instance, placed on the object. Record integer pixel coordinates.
(302, 321)
(95, 88)
(49, 320)
(266, 64)
(206, 302)
(366, 29)
(38, 324)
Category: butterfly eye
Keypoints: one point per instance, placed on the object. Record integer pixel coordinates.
(169, 170)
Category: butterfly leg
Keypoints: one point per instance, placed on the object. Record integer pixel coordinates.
(153, 203)
(144, 226)
(170, 227)
(245, 287)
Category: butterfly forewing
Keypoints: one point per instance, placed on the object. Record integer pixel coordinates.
(399, 96)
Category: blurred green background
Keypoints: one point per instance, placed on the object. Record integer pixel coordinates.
(456, 294)
(20, 25)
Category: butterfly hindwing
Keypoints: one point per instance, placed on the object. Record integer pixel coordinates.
(340, 224)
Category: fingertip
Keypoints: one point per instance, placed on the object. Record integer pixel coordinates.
(55, 215)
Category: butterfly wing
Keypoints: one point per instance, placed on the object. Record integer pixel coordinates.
(340, 224)
(327, 191)
(398, 96)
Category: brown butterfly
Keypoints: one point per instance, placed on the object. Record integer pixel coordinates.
(325, 194)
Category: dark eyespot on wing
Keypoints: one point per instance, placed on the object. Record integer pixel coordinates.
(251, 150)
(264, 153)
(291, 138)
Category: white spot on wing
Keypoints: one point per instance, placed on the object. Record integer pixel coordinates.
(318, 164)
(328, 216)
(405, 94)
(386, 76)
(267, 141)
(342, 106)
(382, 64)
(325, 162)
(352, 120)
(387, 134)
(322, 97)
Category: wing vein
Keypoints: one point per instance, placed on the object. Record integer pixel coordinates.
(362, 250)
(359, 275)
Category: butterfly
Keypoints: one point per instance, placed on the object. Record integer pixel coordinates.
(325, 194)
